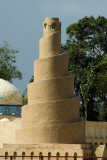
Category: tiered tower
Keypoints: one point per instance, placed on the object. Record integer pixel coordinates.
(52, 113)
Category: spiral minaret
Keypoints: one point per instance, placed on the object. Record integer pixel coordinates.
(52, 113)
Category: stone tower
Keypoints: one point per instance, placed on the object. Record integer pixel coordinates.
(52, 113)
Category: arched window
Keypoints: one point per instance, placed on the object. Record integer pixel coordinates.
(57, 155)
(32, 154)
(23, 155)
(101, 143)
(14, 154)
(6, 154)
(75, 156)
(53, 26)
(95, 143)
(66, 156)
(45, 25)
(49, 155)
(40, 156)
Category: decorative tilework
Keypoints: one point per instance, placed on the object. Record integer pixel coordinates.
(10, 110)
(9, 94)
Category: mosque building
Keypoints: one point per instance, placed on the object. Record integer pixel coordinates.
(50, 124)
(10, 112)
(10, 101)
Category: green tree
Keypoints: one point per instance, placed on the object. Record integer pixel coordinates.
(32, 79)
(87, 60)
(24, 95)
(24, 98)
(8, 69)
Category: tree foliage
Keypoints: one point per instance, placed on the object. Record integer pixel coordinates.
(8, 69)
(25, 95)
(87, 60)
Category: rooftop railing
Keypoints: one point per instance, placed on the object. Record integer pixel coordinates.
(51, 158)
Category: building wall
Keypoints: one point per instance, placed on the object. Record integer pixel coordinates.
(96, 132)
(8, 130)
(48, 149)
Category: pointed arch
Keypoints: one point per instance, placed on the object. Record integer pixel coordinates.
(40, 156)
(45, 24)
(49, 155)
(75, 156)
(53, 26)
(23, 155)
(32, 154)
(14, 154)
(6, 154)
(57, 155)
(66, 156)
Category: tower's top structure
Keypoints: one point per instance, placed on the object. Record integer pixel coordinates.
(51, 25)
(50, 44)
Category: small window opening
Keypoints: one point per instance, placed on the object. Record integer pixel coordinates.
(53, 26)
(75, 156)
(45, 25)
(49, 155)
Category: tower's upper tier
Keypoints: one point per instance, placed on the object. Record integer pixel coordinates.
(50, 44)
(51, 25)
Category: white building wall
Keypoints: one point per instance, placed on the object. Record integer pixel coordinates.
(7, 131)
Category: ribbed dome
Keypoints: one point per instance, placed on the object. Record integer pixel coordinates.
(9, 94)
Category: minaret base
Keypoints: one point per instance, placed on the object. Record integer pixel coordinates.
(72, 133)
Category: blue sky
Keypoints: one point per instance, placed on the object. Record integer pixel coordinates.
(21, 25)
